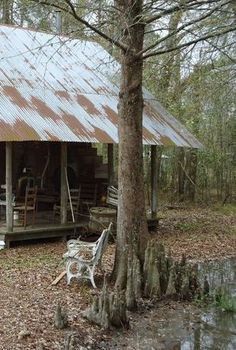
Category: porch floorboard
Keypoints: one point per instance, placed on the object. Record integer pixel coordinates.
(40, 230)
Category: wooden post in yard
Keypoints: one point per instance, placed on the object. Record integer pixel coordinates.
(64, 193)
(110, 158)
(9, 206)
(154, 167)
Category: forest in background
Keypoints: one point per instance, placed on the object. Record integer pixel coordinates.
(196, 85)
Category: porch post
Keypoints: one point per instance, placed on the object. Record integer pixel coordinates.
(110, 163)
(9, 206)
(64, 193)
(154, 173)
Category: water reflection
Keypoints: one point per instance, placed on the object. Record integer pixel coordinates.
(216, 331)
(216, 328)
(219, 272)
(184, 326)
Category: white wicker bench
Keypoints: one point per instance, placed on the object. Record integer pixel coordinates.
(83, 257)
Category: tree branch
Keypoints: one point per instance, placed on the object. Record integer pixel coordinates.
(191, 42)
(187, 5)
(73, 13)
(184, 26)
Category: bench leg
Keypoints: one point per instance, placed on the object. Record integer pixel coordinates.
(69, 275)
(83, 271)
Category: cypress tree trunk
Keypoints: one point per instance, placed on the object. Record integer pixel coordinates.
(132, 226)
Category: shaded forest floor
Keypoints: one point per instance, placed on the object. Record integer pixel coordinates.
(28, 300)
(199, 233)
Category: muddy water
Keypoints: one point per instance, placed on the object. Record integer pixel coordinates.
(180, 326)
(216, 327)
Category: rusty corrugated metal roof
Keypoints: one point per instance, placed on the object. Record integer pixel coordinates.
(53, 88)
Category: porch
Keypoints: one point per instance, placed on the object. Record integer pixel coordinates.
(55, 168)
(45, 227)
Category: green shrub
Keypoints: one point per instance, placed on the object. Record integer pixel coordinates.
(225, 301)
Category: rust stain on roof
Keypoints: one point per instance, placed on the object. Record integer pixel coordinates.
(111, 114)
(4, 131)
(43, 109)
(148, 135)
(87, 104)
(52, 137)
(169, 125)
(18, 129)
(15, 96)
(103, 135)
(63, 94)
(165, 140)
(151, 113)
(75, 125)
(56, 88)
(25, 131)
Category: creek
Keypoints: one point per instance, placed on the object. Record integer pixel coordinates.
(216, 326)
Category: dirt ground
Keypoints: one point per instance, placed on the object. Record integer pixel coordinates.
(28, 300)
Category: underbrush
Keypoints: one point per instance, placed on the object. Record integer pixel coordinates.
(189, 226)
(227, 209)
(225, 301)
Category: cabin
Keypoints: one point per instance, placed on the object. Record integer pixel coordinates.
(58, 98)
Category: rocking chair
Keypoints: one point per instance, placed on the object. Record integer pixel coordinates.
(29, 205)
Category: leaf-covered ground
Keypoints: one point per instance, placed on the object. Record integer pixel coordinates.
(28, 300)
(200, 234)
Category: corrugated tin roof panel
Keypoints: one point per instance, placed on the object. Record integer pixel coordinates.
(56, 89)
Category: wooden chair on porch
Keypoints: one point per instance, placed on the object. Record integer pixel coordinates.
(72, 205)
(28, 206)
(22, 183)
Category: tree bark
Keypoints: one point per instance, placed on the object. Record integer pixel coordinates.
(192, 162)
(6, 11)
(108, 309)
(156, 157)
(181, 174)
(132, 225)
